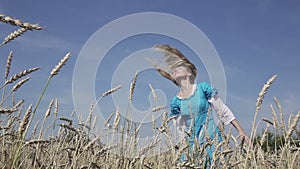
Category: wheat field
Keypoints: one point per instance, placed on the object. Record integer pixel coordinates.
(73, 144)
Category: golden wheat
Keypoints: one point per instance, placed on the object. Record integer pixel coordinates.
(61, 63)
(14, 35)
(111, 91)
(117, 120)
(55, 107)
(293, 126)
(263, 92)
(19, 84)
(75, 147)
(48, 111)
(8, 64)
(132, 85)
(20, 75)
(153, 93)
(37, 141)
(25, 121)
(17, 22)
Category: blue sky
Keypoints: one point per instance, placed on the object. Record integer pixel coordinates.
(254, 40)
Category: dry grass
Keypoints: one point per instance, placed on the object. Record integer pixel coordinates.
(76, 145)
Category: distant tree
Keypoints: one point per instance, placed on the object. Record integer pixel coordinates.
(275, 141)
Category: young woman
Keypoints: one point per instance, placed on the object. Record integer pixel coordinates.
(191, 104)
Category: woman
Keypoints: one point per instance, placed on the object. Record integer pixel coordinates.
(191, 104)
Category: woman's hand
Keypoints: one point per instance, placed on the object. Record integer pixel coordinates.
(240, 130)
(244, 137)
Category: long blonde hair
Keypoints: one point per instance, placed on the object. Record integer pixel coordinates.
(174, 58)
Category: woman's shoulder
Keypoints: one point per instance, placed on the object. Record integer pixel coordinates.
(175, 99)
(203, 84)
(207, 89)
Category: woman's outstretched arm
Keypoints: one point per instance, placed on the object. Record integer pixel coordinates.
(227, 116)
(240, 130)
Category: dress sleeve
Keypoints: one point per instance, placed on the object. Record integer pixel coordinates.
(175, 107)
(223, 112)
(208, 90)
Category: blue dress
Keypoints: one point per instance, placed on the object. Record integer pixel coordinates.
(194, 113)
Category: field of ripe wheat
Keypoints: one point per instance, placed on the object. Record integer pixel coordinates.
(72, 144)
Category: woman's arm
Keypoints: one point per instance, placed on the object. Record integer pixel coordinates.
(240, 130)
(226, 116)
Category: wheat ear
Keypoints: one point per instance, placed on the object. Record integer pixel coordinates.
(20, 75)
(106, 124)
(62, 62)
(37, 141)
(117, 120)
(24, 122)
(55, 108)
(292, 127)
(278, 105)
(258, 106)
(17, 22)
(11, 110)
(153, 93)
(8, 64)
(13, 35)
(275, 119)
(47, 114)
(19, 84)
(158, 108)
(14, 89)
(264, 91)
(132, 85)
(6, 110)
(108, 93)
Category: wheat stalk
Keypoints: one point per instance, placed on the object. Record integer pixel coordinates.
(258, 106)
(62, 62)
(8, 64)
(67, 120)
(280, 114)
(11, 110)
(106, 124)
(153, 93)
(292, 127)
(117, 120)
(275, 119)
(20, 75)
(13, 35)
(35, 128)
(55, 107)
(107, 93)
(94, 122)
(132, 85)
(90, 143)
(47, 114)
(25, 121)
(37, 141)
(153, 122)
(17, 22)
(158, 108)
(111, 91)
(48, 111)
(14, 89)
(69, 127)
(262, 93)
(268, 121)
(263, 137)
(6, 110)
(19, 84)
